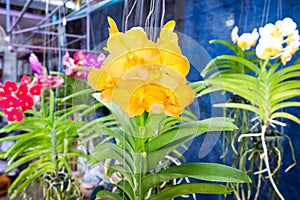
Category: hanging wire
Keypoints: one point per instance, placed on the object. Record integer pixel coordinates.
(268, 9)
(61, 47)
(139, 12)
(128, 15)
(155, 19)
(147, 23)
(45, 39)
(125, 12)
(246, 15)
(241, 13)
(163, 13)
(93, 35)
(254, 12)
(279, 9)
(263, 14)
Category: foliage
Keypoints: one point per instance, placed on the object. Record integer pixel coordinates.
(262, 87)
(140, 143)
(46, 145)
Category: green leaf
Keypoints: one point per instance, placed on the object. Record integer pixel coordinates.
(112, 151)
(125, 187)
(202, 171)
(285, 115)
(197, 86)
(74, 109)
(182, 134)
(276, 98)
(84, 68)
(189, 129)
(246, 87)
(24, 160)
(30, 123)
(191, 188)
(107, 194)
(79, 93)
(284, 105)
(278, 76)
(225, 43)
(51, 107)
(123, 120)
(122, 170)
(243, 61)
(31, 173)
(239, 106)
(89, 110)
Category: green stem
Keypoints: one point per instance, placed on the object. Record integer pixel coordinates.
(264, 65)
(142, 164)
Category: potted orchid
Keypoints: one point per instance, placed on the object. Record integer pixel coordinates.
(263, 86)
(46, 142)
(143, 84)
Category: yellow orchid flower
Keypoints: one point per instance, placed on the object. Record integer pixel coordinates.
(128, 50)
(113, 26)
(100, 80)
(140, 75)
(154, 89)
(170, 52)
(133, 48)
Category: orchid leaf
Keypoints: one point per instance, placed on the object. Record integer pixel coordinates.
(285, 115)
(202, 171)
(191, 188)
(124, 186)
(188, 129)
(78, 93)
(109, 195)
(240, 106)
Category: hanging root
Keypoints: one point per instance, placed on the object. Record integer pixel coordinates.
(293, 154)
(266, 160)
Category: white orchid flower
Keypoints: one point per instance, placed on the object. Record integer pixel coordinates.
(246, 40)
(286, 26)
(234, 34)
(287, 54)
(292, 38)
(269, 47)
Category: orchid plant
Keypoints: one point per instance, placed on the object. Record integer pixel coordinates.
(46, 142)
(263, 86)
(143, 83)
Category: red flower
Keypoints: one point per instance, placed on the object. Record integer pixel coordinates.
(10, 102)
(14, 115)
(22, 90)
(79, 58)
(25, 80)
(1, 87)
(9, 87)
(26, 102)
(2, 97)
(35, 90)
